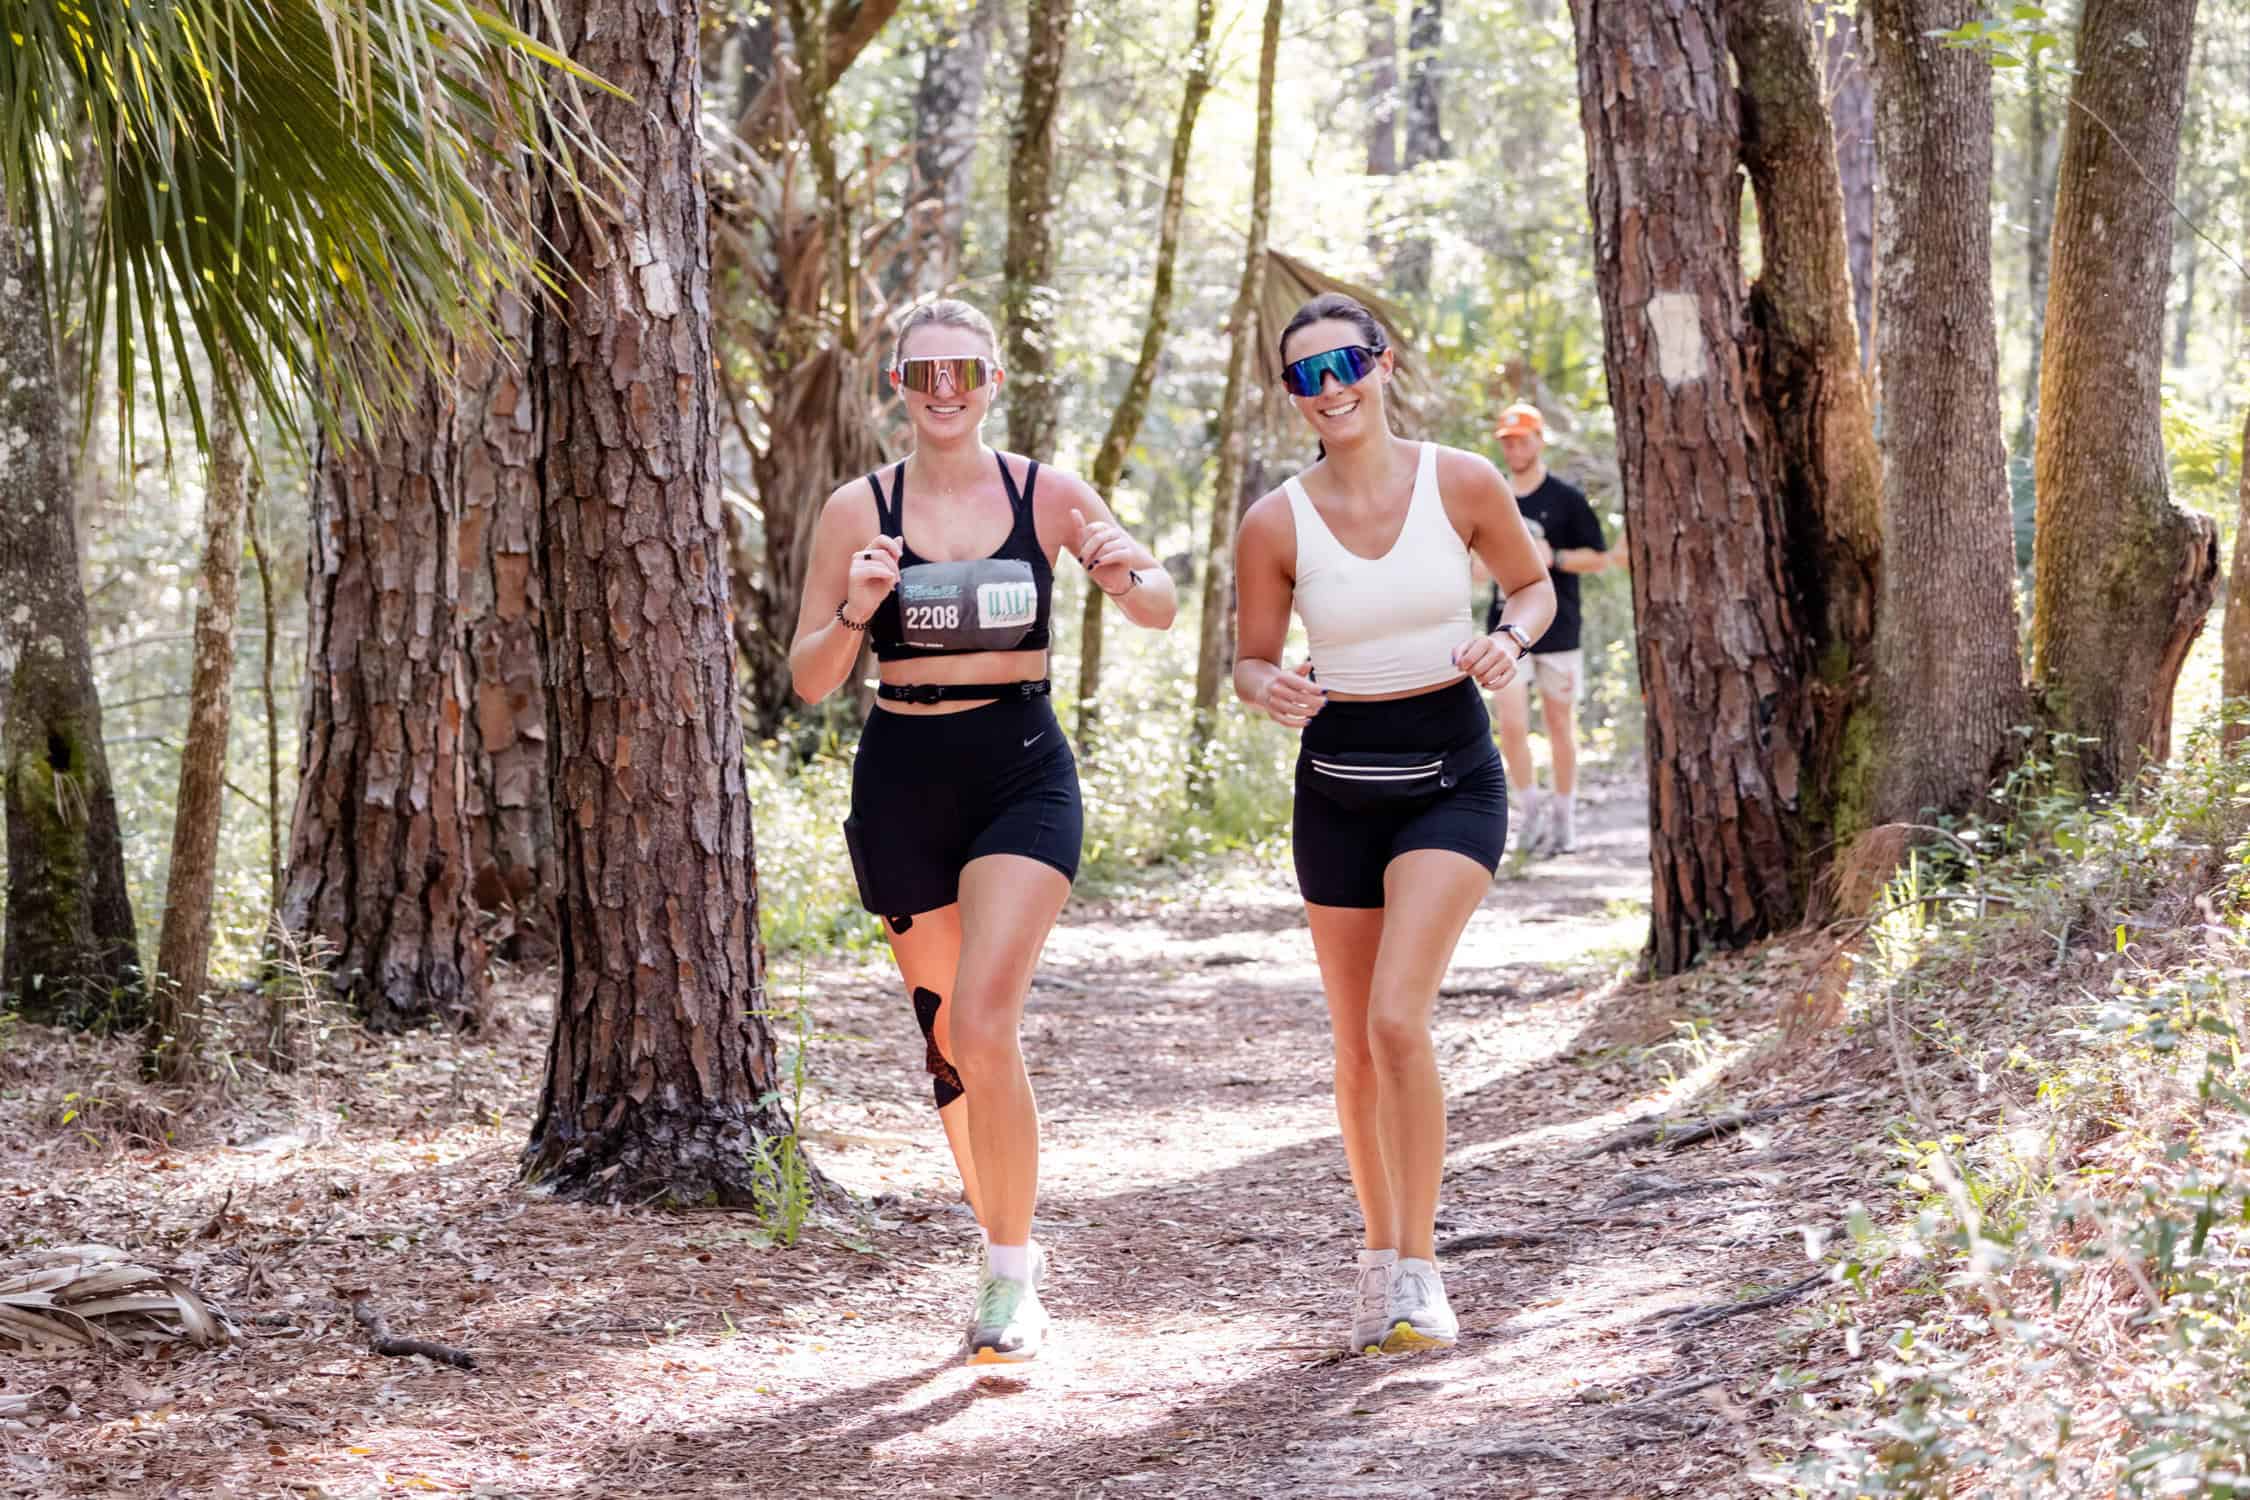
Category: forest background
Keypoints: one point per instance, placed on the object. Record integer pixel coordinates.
(1488, 172)
(1436, 155)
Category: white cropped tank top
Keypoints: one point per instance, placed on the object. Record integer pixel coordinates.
(1386, 624)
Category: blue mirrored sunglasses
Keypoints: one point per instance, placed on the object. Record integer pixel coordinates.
(1349, 365)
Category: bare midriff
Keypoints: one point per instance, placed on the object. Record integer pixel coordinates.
(1389, 697)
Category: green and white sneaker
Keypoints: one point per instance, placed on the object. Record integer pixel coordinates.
(984, 1274)
(1009, 1325)
(1371, 1300)
(1420, 1317)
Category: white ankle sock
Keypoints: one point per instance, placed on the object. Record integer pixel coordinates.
(1011, 1261)
(1371, 1258)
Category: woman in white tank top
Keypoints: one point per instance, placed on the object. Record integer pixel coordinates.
(1402, 806)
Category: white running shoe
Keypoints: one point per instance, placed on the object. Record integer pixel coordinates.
(1420, 1317)
(1562, 834)
(1371, 1300)
(1009, 1326)
(984, 1271)
(1534, 830)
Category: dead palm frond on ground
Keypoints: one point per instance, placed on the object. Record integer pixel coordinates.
(92, 1297)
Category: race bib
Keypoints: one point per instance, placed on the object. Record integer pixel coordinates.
(989, 604)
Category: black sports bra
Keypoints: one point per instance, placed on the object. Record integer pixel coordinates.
(996, 603)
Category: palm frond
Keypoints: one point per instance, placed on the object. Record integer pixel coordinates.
(304, 183)
(93, 1297)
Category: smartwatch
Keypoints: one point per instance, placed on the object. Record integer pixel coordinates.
(1523, 642)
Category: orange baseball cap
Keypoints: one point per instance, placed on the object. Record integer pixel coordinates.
(1521, 420)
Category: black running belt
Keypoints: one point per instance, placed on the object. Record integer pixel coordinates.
(957, 692)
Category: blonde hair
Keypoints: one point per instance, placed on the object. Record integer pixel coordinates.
(946, 312)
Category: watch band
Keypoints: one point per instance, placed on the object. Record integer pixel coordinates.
(1516, 632)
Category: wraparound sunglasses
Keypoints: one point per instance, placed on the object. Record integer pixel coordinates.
(965, 372)
(1350, 365)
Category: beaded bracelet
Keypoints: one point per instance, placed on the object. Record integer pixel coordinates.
(848, 622)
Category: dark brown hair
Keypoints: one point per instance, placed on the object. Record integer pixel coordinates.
(1335, 305)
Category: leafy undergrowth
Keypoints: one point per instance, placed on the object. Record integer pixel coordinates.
(2051, 1293)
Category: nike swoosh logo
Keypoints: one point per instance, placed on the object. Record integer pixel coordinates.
(1035, 739)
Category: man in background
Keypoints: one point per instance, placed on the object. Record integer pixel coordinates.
(1571, 541)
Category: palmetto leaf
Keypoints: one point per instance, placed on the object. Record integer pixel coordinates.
(287, 179)
(92, 1296)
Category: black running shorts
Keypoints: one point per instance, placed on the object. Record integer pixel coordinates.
(1342, 852)
(930, 792)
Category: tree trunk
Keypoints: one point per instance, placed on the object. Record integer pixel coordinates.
(2192, 209)
(2234, 670)
(1027, 300)
(379, 844)
(1382, 90)
(2038, 198)
(1948, 673)
(2124, 576)
(661, 1071)
(1425, 137)
(1723, 661)
(504, 733)
(1810, 392)
(1851, 105)
(1212, 638)
(71, 955)
(948, 104)
(183, 945)
(1125, 421)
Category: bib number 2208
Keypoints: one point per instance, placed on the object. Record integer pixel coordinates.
(933, 616)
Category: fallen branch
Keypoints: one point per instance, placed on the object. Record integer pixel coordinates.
(1678, 1135)
(1684, 1318)
(1555, 1232)
(1634, 1198)
(380, 1340)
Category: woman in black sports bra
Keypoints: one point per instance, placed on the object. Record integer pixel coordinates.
(965, 823)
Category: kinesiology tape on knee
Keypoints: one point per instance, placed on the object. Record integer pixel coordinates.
(900, 924)
(945, 1084)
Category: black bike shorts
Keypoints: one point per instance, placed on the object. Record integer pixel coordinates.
(930, 792)
(1342, 852)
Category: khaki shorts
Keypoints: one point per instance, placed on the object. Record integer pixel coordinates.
(1559, 675)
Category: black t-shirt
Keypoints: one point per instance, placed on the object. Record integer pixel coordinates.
(1558, 513)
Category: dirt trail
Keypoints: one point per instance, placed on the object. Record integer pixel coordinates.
(1195, 1200)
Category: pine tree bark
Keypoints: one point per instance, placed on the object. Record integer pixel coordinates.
(2038, 198)
(1809, 391)
(183, 945)
(1851, 105)
(1382, 90)
(2234, 655)
(1723, 659)
(499, 436)
(1132, 405)
(1948, 672)
(1027, 299)
(379, 842)
(661, 1068)
(948, 103)
(70, 954)
(1425, 135)
(1212, 637)
(2124, 577)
